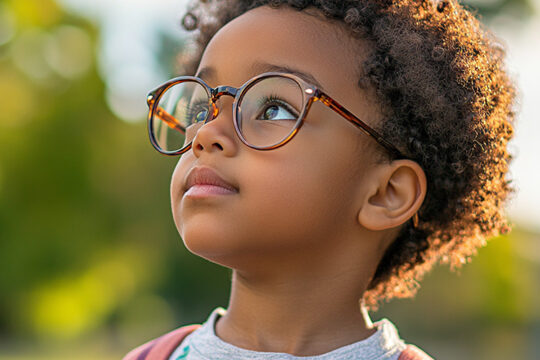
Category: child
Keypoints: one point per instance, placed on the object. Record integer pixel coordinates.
(332, 153)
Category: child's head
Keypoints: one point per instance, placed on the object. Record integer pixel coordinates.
(425, 75)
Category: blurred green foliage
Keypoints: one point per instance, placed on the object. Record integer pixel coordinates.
(87, 239)
(88, 249)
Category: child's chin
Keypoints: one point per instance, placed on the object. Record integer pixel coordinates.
(210, 247)
(221, 252)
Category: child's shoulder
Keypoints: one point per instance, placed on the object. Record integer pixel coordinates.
(161, 347)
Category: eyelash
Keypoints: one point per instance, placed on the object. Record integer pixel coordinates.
(274, 98)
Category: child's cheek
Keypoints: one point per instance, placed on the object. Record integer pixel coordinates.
(290, 203)
(176, 188)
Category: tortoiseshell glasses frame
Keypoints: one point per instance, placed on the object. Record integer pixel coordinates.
(311, 93)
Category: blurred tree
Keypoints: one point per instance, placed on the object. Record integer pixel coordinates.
(513, 8)
(85, 224)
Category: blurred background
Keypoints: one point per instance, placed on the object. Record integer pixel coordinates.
(91, 264)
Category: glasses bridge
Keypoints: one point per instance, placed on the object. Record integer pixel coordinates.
(223, 90)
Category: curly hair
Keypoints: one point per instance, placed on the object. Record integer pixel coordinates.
(448, 105)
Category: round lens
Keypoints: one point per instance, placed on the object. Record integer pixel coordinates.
(269, 110)
(180, 112)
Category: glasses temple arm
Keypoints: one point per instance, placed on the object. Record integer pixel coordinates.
(334, 105)
(164, 115)
(167, 118)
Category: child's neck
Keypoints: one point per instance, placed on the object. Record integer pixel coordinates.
(303, 316)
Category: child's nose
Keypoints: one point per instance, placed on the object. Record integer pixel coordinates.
(222, 105)
(222, 98)
(222, 111)
(217, 134)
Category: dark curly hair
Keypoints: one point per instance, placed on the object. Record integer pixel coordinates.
(448, 105)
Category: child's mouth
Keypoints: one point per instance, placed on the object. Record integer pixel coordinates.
(207, 190)
(203, 181)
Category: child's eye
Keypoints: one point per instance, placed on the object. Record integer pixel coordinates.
(196, 113)
(201, 115)
(276, 109)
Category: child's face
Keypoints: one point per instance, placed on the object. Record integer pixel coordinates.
(300, 200)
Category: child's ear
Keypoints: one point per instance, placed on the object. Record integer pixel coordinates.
(394, 196)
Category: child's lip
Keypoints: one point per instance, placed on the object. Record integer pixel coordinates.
(204, 175)
(202, 191)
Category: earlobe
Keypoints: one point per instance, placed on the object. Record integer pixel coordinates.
(396, 195)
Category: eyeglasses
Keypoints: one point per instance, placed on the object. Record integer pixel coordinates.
(268, 111)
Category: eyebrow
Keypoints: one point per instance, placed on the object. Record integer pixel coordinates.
(262, 67)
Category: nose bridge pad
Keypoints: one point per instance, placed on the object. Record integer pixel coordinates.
(215, 110)
(217, 93)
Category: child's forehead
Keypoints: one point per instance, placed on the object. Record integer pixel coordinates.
(288, 38)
